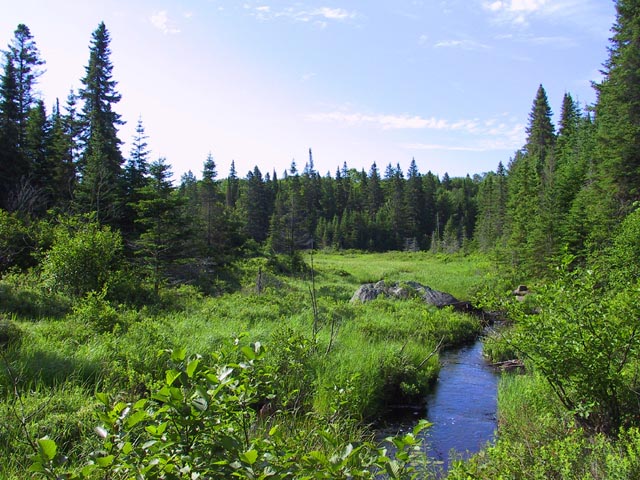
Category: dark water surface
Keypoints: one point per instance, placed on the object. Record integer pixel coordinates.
(462, 406)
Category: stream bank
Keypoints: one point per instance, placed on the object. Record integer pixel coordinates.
(462, 407)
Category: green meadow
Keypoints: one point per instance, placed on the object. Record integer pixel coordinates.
(329, 358)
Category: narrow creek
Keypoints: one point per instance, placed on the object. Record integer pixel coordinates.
(462, 407)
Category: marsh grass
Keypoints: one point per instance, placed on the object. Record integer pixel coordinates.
(539, 440)
(458, 275)
(363, 358)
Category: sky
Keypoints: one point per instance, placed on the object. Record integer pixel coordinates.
(449, 83)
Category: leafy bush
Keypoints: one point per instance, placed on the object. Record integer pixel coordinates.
(18, 240)
(498, 346)
(95, 312)
(65, 414)
(83, 257)
(585, 343)
(201, 423)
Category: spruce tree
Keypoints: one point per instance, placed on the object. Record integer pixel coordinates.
(136, 169)
(134, 177)
(27, 62)
(415, 200)
(617, 183)
(375, 195)
(60, 149)
(256, 207)
(540, 131)
(328, 199)
(532, 205)
(13, 166)
(232, 187)
(212, 209)
(310, 193)
(164, 228)
(100, 189)
(36, 152)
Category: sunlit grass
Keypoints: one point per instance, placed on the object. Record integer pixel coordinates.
(376, 351)
(457, 274)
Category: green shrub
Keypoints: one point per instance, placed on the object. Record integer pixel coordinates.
(584, 342)
(498, 345)
(83, 257)
(18, 241)
(95, 312)
(292, 360)
(201, 423)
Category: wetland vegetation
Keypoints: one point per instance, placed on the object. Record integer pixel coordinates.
(205, 330)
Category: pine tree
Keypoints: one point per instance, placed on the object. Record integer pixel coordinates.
(532, 206)
(398, 208)
(212, 209)
(136, 169)
(134, 177)
(60, 149)
(232, 188)
(36, 152)
(256, 207)
(375, 195)
(13, 166)
(430, 184)
(310, 193)
(415, 200)
(328, 198)
(164, 229)
(100, 189)
(73, 128)
(492, 202)
(540, 131)
(26, 59)
(522, 208)
(617, 184)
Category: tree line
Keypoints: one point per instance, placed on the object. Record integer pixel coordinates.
(69, 162)
(561, 194)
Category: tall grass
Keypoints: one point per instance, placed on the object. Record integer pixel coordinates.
(377, 352)
(538, 440)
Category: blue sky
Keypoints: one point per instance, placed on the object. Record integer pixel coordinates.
(447, 82)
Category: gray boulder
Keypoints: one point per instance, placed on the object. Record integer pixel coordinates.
(371, 291)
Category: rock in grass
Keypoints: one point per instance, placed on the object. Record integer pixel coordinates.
(371, 291)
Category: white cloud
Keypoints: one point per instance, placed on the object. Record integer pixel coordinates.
(319, 16)
(386, 122)
(518, 12)
(437, 146)
(463, 44)
(526, 6)
(483, 135)
(161, 21)
(333, 13)
(551, 40)
(508, 138)
(404, 121)
(588, 14)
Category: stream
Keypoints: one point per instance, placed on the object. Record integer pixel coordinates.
(462, 407)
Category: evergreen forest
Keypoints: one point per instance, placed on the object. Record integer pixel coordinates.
(202, 328)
